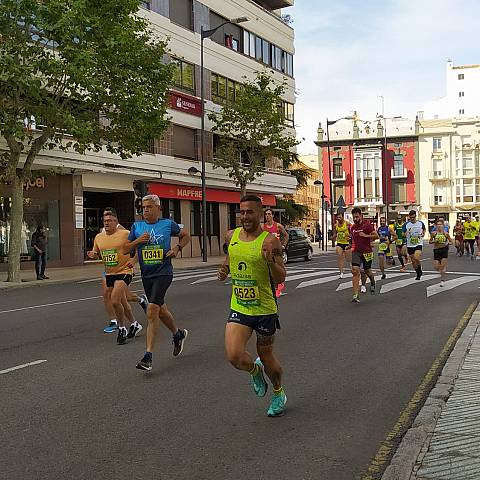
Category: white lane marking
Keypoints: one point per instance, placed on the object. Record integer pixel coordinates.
(188, 277)
(98, 279)
(455, 273)
(18, 367)
(449, 284)
(378, 278)
(307, 275)
(204, 280)
(405, 283)
(318, 281)
(49, 304)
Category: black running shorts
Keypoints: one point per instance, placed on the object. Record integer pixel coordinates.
(362, 259)
(156, 288)
(111, 279)
(440, 253)
(264, 325)
(343, 246)
(412, 250)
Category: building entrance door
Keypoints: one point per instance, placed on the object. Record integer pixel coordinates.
(92, 220)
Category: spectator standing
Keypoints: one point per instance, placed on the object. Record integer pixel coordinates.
(39, 245)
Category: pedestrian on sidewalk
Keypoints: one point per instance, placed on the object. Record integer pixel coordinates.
(39, 245)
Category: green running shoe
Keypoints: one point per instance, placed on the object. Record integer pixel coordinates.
(277, 405)
(257, 380)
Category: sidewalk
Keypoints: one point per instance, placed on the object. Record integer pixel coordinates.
(444, 440)
(91, 270)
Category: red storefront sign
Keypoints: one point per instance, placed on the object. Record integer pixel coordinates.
(185, 103)
(182, 192)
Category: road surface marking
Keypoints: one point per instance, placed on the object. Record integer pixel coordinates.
(188, 277)
(449, 284)
(378, 278)
(32, 307)
(307, 275)
(18, 367)
(204, 280)
(318, 281)
(405, 283)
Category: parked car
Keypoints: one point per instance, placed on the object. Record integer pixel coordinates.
(298, 246)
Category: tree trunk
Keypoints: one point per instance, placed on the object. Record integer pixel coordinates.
(16, 222)
(243, 190)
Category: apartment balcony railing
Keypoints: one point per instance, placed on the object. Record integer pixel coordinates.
(439, 175)
(338, 178)
(398, 173)
(368, 200)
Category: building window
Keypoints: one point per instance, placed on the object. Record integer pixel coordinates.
(467, 166)
(145, 5)
(213, 219)
(233, 215)
(399, 192)
(338, 191)
(398, 165)
(337, 168)
(468, 191)
(461, 76)
(223, 89)
(288, 113)
(184, 75)
(437, 144)
(461, 94)
(181, 13)
(227, 34)
(461, 111)
(183, 143)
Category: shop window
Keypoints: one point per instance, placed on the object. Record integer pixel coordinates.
(184, 75)
(233, 215)
(213, 219)
(36, 212)
(183, 143)
(195, 219)
(171, 210)
(181, 13)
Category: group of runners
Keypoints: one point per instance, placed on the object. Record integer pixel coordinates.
(254, 262)
(354, 243)
(467, 236)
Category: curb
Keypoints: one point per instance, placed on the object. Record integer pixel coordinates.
(415, 443)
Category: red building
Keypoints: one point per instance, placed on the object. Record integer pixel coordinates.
(368, 168)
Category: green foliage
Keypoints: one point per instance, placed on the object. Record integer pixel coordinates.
(293, 211)
(89, 72)
(252, 130)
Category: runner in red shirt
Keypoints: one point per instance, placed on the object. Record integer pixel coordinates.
(279, 231)
(362, 233)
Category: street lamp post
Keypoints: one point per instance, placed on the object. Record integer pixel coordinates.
(322, 200)
(203, 35)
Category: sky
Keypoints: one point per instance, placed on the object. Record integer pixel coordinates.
(349, 52)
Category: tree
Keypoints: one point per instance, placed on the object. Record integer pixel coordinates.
(75, 74)
(252, 131)
(293, 211)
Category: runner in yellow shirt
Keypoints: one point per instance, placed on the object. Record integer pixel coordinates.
(476, 224)
(341, 236)
(469, 237)
(108, 246)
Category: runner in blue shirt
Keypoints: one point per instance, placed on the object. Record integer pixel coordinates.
(384, 245)
(152, 239)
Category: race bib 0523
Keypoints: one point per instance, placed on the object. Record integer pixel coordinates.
(110, 257)
(152, 254)
(246, 292)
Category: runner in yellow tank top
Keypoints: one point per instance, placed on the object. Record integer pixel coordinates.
(255, 264)
(341, 236)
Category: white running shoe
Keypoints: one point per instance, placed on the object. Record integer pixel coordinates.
(341, 274)
(363, 289)
(442, 284)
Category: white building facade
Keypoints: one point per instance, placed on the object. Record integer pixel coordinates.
(93, 181)
(462, 99)
(449, 161)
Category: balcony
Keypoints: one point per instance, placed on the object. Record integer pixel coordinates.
(368, 200)
(338, 178)
(274, 4)
(442, 201)
(439, 175)
(398, 173)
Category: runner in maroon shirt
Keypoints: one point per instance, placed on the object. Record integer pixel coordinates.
(362, 233)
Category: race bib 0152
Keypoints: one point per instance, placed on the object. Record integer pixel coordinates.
(110, 257)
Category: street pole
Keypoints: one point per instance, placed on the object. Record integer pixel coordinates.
(330, 183)
(202, 151)
(384, 158)
(322, 200)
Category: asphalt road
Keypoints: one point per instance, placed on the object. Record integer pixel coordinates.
(87, 413)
